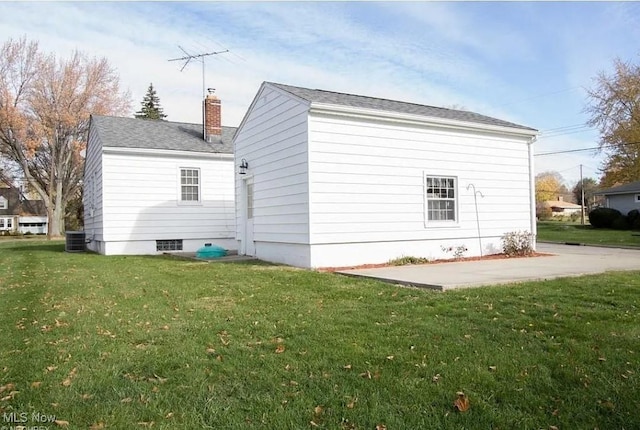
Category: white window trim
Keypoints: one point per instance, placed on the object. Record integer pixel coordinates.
(440, 223)
(637, 198)
(4, 203)
(179, 197)
(5, 223)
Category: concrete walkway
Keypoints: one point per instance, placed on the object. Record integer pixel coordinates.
(567, 260)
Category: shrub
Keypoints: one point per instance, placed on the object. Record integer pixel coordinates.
(544, 213)
(458, 251)
(621, 223)
(403, 261)
(603, 217)
(517, 243)
(633, 216)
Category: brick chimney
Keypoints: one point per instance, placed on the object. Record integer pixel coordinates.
(212, 117)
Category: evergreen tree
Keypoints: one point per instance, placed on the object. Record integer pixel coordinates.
(151, 108)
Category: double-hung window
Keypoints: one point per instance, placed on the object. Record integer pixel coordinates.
(441, 198)
(4, 204)
(189, 185)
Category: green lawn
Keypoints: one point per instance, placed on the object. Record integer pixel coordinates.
(564, 232)
(135, 342)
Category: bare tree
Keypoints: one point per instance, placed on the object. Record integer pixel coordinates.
(614, 106)
(45, 104)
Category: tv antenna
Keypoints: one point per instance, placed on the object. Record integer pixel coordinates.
(188, 57)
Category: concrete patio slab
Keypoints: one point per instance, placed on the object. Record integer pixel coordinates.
(565, 260)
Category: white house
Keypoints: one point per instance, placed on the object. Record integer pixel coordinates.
(624, 198)
(152, 186)
(20, 214)
(336, 179)
(561, 208)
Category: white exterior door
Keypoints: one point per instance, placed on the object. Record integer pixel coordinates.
(248, 245)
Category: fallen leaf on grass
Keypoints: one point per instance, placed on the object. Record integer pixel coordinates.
(553, 428)
(280, 349)
(97, 426)
(61, 423)
(352, 403)
(389, 357)
(492, 368)
(313, 424)
(366, 375)
(436, 378)
(36, 384)
(381, 427)
(169, 416)
(126, 400)
(210, 351)
(462, 402)
(347, 366)
(146, 423)
(317, 410)
(7, 387)
(86, 396)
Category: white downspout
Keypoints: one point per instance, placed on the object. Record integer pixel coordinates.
(532, 192)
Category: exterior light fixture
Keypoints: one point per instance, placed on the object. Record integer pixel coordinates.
(243, 166)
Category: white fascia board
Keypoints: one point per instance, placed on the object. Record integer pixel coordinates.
(165, 153)
(406, 118)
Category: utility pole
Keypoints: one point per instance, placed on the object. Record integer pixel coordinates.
(188, 57)
(581, 196)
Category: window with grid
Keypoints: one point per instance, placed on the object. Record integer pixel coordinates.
(249, 199)
(441, 198)
(190, 185)
(169, 245)
(1, 222)
(3, 203)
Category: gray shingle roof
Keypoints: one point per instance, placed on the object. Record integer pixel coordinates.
(153, 134)
(333, 98)
(633, 187)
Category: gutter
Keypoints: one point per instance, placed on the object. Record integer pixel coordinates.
(532, 191)
(165, 152)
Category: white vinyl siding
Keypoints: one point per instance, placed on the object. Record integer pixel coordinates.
(140, 201)
(92, 196)
(273, 140)
(367, 181)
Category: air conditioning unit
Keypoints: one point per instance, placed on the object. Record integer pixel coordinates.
(75, 241)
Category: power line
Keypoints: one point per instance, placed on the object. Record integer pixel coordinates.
(593, 148)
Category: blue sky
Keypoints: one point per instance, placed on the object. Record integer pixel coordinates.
(527, 62)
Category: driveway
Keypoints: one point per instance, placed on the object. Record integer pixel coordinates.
(566, 260)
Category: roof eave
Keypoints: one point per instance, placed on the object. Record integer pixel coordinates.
(165, 152)
(356, 112)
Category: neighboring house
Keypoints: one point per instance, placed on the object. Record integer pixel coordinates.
(334, 179)
(561, 208)
(17, 214)
(623, 198)
(152, 186)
